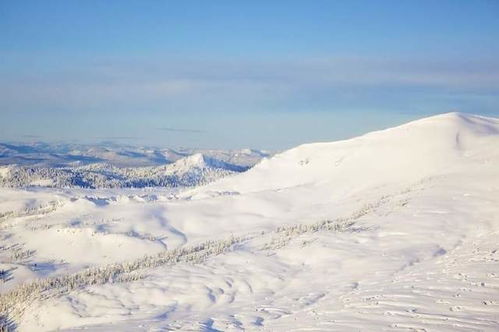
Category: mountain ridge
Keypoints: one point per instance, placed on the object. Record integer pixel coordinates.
(419, 148)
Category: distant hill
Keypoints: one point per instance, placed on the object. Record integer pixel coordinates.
(58, 155)
(67, 166)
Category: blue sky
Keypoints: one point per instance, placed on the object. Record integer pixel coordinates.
(230, 74)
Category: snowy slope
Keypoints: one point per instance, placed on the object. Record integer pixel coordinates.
(395, 230)
(406, 153)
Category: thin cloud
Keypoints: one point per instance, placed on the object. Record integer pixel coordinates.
(31, 136)
(119, 137)
(181, 130)
(244, 85)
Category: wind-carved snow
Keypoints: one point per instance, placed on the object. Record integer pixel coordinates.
(393, 230)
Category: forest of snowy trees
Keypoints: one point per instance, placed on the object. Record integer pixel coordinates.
(191, 171)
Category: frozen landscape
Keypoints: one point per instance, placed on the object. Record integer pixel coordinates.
(395, 230)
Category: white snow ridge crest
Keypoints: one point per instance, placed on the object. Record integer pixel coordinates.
(394, 230)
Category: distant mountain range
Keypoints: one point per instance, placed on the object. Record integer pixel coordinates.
(114, 166)
(58, 155)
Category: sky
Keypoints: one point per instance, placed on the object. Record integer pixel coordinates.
(237, 74)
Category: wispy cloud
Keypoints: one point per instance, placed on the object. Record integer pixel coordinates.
(170, 85)
(118, 137)
(181, 130)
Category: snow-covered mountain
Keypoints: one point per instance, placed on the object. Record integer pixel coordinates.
(193, 170)
(436, 145)
(394, 230)
(41, 154)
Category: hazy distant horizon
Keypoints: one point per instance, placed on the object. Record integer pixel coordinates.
(349, 131)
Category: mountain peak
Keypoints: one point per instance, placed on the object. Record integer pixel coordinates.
(462, 121)
(423, 148)
(199, 160)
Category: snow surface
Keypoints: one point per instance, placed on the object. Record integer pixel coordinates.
(4, 171)
(395, 230)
